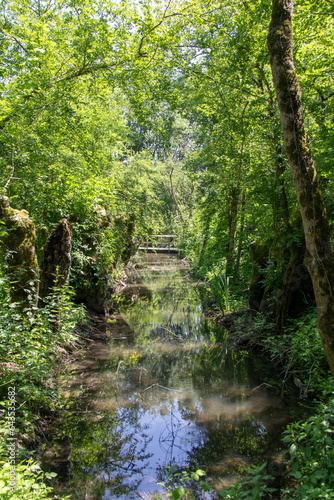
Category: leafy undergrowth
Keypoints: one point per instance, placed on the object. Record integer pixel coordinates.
(297, 351)
(31, 353)
(311, 456)
(29, 483)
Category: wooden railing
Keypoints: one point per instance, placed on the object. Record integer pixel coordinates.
(160, 243)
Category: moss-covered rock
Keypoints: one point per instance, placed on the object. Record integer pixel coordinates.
(125, 227)
(94, 279)
(17, 248)
(56, 263)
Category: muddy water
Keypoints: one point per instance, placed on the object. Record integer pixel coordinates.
(159, 387)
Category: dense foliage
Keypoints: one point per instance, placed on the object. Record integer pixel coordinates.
(135, 118)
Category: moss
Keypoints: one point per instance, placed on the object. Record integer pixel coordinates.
(18, 252)
(55, 266)
(125, 227)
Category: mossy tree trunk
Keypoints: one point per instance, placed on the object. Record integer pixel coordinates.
(17, 247)
(319, 257)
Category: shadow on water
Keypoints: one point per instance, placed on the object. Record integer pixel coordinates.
(159, 386)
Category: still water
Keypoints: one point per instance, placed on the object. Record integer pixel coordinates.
(159, 387)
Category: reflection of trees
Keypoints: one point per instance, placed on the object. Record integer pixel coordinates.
(109, 452)
(172, 437)
(246, 437)
(174, 303)
(105, 452)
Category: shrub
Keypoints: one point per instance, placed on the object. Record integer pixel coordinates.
(311, 461)
(29, 482)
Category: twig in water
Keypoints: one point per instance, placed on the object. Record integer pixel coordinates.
(174, 335)
(157, 385)
(119, 364)
(264, 383)
(85, 338)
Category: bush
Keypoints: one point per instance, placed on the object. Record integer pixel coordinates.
(252, 487)
(300, 349)
(29, 482)
(311, 461)
(29, 351)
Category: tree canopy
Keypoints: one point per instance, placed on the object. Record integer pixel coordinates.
(164, 116)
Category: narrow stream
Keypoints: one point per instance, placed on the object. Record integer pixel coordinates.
(159, 387)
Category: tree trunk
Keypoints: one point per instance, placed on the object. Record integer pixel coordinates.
(319, 257)
(296, 292)
(283, 211)
(259, 255)
(241, 232)
(234, 202)
(234, 197)
(206, 233)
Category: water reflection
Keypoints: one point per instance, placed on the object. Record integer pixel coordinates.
(164, 390)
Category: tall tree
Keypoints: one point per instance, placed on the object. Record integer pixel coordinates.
(319, 256)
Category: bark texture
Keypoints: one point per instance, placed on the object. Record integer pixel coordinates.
(319, 258)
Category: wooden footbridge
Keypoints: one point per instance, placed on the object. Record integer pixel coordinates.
(160, 243)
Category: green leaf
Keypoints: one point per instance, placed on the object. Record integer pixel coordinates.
(178, 492)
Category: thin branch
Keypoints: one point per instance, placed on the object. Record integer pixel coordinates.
(12, 172)
(164, 17)
(169, 331)
(119, 365)
(264, 383)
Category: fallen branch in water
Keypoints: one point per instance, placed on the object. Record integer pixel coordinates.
(172, 333)
(119, 365)
(157, 385)
(264, 383)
